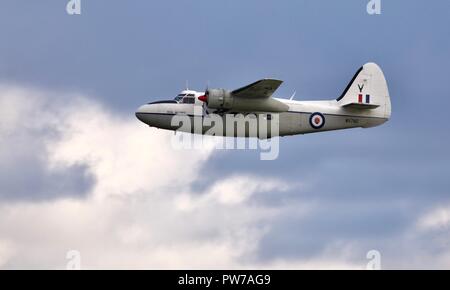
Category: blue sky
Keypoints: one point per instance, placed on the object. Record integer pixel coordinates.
(356, 190)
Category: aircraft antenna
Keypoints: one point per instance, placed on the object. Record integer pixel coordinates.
(293, 95)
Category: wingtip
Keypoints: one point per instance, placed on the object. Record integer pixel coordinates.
(272, 79)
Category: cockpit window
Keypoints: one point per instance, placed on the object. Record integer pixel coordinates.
(179, 97)
(185, 98)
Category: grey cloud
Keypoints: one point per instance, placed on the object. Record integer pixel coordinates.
(25, 175)
(31, 180)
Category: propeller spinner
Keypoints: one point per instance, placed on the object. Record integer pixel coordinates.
(204, 98)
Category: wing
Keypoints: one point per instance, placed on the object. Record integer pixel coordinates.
(260, 89)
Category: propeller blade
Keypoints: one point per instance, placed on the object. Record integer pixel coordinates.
(204, 98)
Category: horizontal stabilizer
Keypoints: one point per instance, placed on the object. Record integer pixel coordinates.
(360, 106)
(367, 91)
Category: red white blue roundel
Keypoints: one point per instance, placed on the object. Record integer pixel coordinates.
(317, 120)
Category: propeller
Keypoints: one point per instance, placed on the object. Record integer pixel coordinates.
(204, 98)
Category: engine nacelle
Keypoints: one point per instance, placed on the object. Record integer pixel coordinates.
(219, 99)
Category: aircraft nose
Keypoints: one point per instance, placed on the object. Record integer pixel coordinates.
(140, 113)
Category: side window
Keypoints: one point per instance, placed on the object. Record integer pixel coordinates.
(188, 100)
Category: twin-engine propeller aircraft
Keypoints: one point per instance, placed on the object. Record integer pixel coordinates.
(364, 103)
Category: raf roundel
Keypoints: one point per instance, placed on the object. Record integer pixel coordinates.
(317, 120)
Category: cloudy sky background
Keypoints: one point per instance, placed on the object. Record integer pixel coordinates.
(79, 172)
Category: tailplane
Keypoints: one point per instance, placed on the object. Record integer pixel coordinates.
(367, 91)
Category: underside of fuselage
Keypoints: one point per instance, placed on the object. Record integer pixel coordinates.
(261, 125)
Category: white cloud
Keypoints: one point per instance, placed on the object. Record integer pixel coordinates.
(232, 191)
(437, 218)
(6, 252)
(141, 211)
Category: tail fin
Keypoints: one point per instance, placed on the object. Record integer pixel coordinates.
(367, 91)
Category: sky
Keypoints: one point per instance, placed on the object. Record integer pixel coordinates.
(79, 172)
